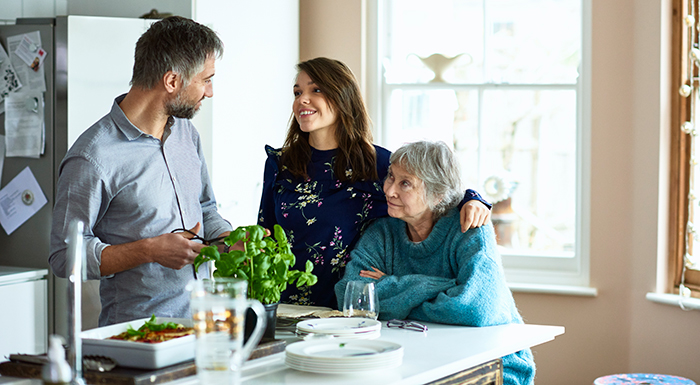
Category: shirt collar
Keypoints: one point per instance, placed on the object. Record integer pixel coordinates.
(127, 128)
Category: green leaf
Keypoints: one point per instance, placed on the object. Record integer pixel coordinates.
(311, 279)
(242, 274)
(130, 331)
(236, 257)
(207, 253)
(156, 327)
(235, 236)
(309, 266)
(256, 233)
(280, 235)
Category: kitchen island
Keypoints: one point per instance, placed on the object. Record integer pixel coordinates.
(453, 354)
(443, 351)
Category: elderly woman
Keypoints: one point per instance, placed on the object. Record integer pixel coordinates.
(424, 267)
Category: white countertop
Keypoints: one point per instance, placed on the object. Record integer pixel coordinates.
(9, 274)
(443, 350)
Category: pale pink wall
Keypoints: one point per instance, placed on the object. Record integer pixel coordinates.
(619, 330)
(335, 29)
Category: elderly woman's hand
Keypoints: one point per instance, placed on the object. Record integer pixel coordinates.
(376, 274)
(474, 214)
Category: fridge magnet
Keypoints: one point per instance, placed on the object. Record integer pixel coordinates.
(27, 197)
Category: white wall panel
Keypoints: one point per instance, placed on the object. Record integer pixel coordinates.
(128, 8)
(11, 10)
(96, 57)
(253, 97)
(38, 8)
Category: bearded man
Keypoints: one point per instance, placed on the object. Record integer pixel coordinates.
(139, 174)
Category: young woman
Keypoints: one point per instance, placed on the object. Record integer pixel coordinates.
(324, 186)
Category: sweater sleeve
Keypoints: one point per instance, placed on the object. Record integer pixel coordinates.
(397, 295)
(469, 195)
(480, 296)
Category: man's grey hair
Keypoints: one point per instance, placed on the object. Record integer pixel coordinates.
(437, 167)
(173, 44)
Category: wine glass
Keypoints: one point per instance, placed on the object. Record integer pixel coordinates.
(360, 300)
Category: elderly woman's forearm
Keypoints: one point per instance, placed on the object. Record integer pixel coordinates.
(398, 296)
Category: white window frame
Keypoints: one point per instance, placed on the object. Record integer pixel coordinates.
(531, 273)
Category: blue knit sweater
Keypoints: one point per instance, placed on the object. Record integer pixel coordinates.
(451, 277)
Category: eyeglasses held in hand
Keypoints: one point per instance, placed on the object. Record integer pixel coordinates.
(410, 325)
(206, 242)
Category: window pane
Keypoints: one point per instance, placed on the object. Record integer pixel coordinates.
(693, 209)
(494, 41)
(516, 147)
(528, 166)
(528, 45)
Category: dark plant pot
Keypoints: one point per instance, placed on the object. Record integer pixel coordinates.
(270, 315)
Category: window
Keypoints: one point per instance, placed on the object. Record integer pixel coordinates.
(685, 181)
(502, 82)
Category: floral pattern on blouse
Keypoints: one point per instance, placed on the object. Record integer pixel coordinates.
(323, 217)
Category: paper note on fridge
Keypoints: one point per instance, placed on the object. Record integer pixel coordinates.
(24, 124)
(19, 200)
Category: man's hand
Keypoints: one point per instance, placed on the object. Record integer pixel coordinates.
(176, 250)
(170, 250)
(474, 214)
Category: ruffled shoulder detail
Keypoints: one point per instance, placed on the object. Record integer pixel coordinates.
(273, 157)
(272, 152)
(283, 179)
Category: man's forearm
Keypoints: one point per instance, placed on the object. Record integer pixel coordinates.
(118, 258)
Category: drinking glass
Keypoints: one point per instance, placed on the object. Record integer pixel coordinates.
(218, 310)
(360, 300)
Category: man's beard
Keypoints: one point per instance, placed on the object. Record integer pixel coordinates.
(180, 108)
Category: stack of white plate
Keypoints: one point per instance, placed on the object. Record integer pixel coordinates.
(348, 328)
(343, 356)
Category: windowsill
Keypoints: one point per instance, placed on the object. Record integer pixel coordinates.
(674, 300)
(582, 291)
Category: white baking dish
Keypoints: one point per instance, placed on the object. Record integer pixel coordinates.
(138, 354)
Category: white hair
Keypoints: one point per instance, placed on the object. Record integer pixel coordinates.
(437, 167)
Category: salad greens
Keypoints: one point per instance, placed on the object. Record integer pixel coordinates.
(265, 262)
(152, 326)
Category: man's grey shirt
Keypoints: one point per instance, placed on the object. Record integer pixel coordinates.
(126, 185)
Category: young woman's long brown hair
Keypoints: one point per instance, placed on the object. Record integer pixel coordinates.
(353, 134)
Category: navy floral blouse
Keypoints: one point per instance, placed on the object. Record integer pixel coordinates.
(322, 216)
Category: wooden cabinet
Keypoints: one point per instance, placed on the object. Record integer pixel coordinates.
(489, 373)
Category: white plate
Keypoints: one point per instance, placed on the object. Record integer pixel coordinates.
(138, 354)
(373, 335)
(343, 364)
(344, 350)
(340, 370)
(343, 356)
(339, 325)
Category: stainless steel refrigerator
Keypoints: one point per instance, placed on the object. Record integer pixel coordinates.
(89, 63)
